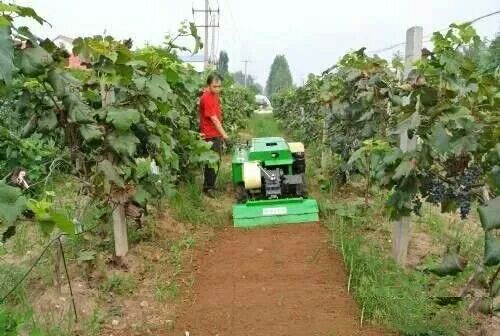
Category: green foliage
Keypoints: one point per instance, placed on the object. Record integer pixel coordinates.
(239, 77)
(8, 323)
(264, 126)
(494, 51)
(238, 104)
(386, 293)
(12, 203)
(187, 206)
(450, 103)
(49, 217)
(127, 110)
(280, 77)
(449, 107)
(119, 284)
(34, 153)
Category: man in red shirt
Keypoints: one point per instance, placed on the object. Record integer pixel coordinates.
(211, 126)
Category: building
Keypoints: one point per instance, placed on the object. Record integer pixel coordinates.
(196, 60)
(67, 43)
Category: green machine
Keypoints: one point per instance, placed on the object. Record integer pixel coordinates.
(268, 174)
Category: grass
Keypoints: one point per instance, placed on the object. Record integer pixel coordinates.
(166, 291)
(94, 324)
(386, 293)
(264, 126)
(119, 284)
(187, 206)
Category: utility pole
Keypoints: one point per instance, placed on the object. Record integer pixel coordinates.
(209, 22)
(246, 71)
(205, 46)
(213, 57)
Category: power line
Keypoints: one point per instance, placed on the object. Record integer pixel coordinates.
(236, 32)
(391, 47)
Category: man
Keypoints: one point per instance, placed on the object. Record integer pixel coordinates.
(211, 127)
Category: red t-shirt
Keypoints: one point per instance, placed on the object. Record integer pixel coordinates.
(209, 106)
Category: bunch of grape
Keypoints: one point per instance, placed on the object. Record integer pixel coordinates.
(433, 190)
(463, 197)
(456, 188)
(469, 178)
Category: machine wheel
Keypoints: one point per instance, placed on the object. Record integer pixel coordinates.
(302, 189)
(241, 193)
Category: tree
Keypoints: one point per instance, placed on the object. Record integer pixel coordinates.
(280, 77)
(495, 51)
(223, 63)
(239, 77)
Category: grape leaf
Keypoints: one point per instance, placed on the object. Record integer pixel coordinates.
(122, 118)
(491, 249)
(440, 139)
(123, 143)
(158, 87)
(110, 172)
(90, 132)
(62, 222)
(34, 60)
(490, 214)
(142, 167)
(404, 169)
(141, 196)
(48, 121)
(7, 67)
(56, 81)
(78, 111)
(12, 203)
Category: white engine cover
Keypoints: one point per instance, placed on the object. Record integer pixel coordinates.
(251, 175)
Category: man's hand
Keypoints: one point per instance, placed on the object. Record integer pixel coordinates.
(219, 127)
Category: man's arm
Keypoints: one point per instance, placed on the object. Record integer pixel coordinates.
(219, 127)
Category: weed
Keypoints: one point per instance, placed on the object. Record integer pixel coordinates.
(165, 291)
(9, 322)
(389, 294)
(119, 284)
(264, 126)
(9, 276)
(94, 323)
(177, 248)
(21, 243)
(187, 206)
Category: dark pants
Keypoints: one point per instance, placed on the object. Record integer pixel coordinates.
(209, 173)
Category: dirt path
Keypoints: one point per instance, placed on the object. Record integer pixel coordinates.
(270, 282)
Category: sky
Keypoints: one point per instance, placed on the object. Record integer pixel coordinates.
(312, 34)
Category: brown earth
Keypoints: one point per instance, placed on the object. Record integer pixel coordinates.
(270, 281)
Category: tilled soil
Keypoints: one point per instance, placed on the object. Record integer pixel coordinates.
(270, 282)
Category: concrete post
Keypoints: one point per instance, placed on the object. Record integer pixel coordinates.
(413, 51)
(118, 209)
(402, 228)
(326, 152)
